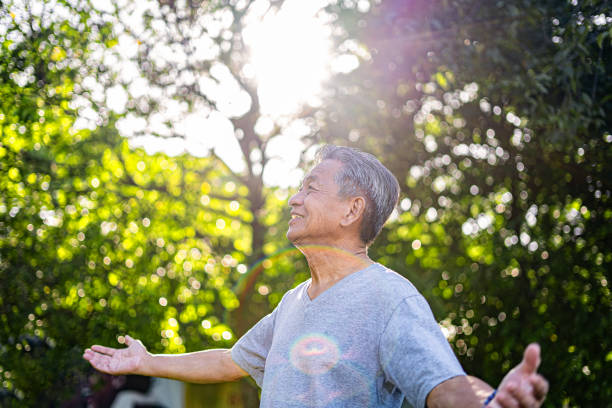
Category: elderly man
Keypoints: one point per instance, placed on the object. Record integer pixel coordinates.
(354, 335)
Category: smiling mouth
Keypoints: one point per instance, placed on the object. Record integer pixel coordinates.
(294, 217)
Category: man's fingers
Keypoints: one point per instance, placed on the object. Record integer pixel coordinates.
(540, 387)
(531, 358)
(104, 350)
(87, 354)
(128, 340)
(98, 361)
(506, 399)
(524, 396)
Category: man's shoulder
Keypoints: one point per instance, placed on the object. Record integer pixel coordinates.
(389, 284)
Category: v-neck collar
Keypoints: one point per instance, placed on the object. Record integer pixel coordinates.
(336, 286)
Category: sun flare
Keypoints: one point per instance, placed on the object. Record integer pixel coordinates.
(290, 55)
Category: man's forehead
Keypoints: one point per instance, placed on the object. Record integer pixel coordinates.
(322, 171)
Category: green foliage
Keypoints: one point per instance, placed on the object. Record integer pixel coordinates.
(502, 144)
(97, 239)
(97, 236)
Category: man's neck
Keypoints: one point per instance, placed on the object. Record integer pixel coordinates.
(329, 264)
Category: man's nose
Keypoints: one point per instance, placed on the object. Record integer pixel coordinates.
(295, 199)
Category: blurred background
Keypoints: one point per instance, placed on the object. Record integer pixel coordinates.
(148, 149)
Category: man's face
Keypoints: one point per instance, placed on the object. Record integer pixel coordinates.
(316, 209)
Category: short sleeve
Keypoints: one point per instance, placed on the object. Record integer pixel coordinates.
(251, 350)
(414, 354)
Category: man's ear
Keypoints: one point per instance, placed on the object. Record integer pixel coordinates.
(354, 212)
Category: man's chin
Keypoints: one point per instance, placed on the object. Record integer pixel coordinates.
(293, 237)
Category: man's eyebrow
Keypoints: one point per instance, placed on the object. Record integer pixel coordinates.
(308, 179)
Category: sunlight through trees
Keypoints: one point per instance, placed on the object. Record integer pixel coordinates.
(148, 150)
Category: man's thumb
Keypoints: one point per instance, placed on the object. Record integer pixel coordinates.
(531, 358)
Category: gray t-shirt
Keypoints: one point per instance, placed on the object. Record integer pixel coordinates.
(370, 340)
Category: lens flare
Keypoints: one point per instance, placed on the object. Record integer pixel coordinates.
(314, 354)
(247, 281)
(320, 376)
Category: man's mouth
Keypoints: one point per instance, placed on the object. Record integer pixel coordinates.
(295, 217)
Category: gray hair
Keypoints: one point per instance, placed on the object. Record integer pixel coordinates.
(363, 174)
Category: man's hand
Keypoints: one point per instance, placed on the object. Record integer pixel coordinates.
(109, 360)
(522, 387)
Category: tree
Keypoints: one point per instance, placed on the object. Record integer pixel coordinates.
(196, 56)
(119, 240)
(97, 238)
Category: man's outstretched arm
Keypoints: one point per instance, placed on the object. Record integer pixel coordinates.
(208, 366)
(522, 387)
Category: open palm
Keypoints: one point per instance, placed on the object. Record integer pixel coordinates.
(117, 361)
